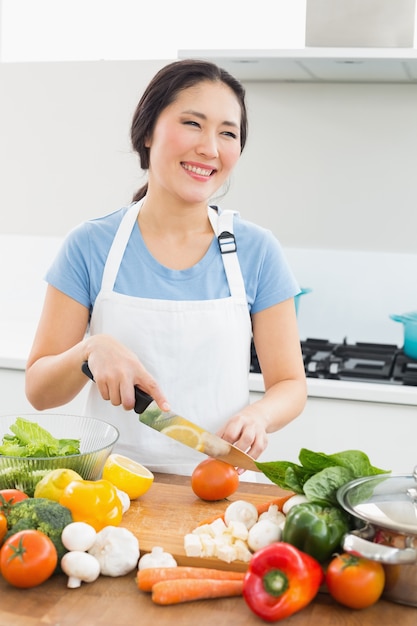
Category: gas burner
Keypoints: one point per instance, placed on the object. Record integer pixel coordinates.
(405, 370)
(362, 361)
(316, 355)
(366, 362)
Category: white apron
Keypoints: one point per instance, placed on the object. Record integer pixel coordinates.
(198, 351)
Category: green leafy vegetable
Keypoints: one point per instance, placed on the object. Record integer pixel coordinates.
(31, 440)
(322, 487)
(315, 461)
(319, 475)
(357, 462)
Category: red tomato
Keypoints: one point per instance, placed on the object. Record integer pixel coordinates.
(214, 480)
(28, 558)
(354, 581)
(3, 527)
(8, 497)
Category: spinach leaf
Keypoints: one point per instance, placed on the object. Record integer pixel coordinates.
(320, 475)
(315, 461)
(295, 478)
(322, 487)
(357, 461)
(285, 474)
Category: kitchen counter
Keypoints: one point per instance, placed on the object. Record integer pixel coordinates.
(118, 602)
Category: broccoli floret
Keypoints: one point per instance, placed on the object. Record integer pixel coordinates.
(42, 514)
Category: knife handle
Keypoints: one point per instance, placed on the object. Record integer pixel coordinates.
(87, 370)
(142, 399)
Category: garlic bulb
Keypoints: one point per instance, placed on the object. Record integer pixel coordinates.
(157, 558)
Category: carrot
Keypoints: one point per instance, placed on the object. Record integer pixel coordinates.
(279, 502)
(189, 589)
(148, 577)
(210, 520)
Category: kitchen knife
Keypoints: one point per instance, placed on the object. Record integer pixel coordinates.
(186, 432)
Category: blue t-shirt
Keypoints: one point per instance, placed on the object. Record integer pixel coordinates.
(78, 268)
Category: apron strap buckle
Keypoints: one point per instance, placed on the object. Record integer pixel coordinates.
(227, 242)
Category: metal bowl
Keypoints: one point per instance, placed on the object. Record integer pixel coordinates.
(386, 506)
(97, 439)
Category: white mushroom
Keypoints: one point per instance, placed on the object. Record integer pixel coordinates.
(241, 511)
(78, 536)
(80, 567)
(299, 498)
(262, 534)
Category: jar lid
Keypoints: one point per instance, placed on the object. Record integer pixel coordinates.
(387, 501)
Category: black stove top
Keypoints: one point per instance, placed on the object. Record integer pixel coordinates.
(366, 362)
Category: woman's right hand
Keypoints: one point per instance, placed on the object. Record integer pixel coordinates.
(53, 369)
(116, 371)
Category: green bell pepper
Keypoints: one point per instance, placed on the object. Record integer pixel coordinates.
(316, 529)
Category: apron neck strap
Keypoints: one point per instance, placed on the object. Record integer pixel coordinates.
(222, 224)
(118, 246)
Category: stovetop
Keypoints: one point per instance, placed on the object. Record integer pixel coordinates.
(366, 362)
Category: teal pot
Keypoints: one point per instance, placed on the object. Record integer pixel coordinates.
(409, 320)
(298, 296)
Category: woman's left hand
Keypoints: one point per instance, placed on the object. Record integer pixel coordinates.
(247, 430)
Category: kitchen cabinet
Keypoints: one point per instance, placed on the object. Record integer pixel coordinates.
(347, 65)
(117, 601)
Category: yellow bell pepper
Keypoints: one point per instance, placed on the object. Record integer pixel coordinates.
(95, 502)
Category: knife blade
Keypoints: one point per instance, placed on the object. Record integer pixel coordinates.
(186, 432)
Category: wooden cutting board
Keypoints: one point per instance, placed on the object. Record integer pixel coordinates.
(167, 512)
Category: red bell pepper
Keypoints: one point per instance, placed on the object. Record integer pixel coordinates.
(281, 580)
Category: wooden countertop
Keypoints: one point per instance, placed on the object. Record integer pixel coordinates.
(118, 602)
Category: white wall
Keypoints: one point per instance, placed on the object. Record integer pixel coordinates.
(326, 165)
(332, 165)
(65, 154)
(330, 168)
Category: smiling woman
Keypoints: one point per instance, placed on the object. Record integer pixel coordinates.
(167, 309)
(70, 30)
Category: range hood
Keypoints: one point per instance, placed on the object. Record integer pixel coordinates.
(323, 65)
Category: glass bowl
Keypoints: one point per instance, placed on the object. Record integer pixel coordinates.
(97, 439)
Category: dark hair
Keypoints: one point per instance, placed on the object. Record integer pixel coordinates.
(162, 91)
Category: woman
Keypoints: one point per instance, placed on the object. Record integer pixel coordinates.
(168, 309)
